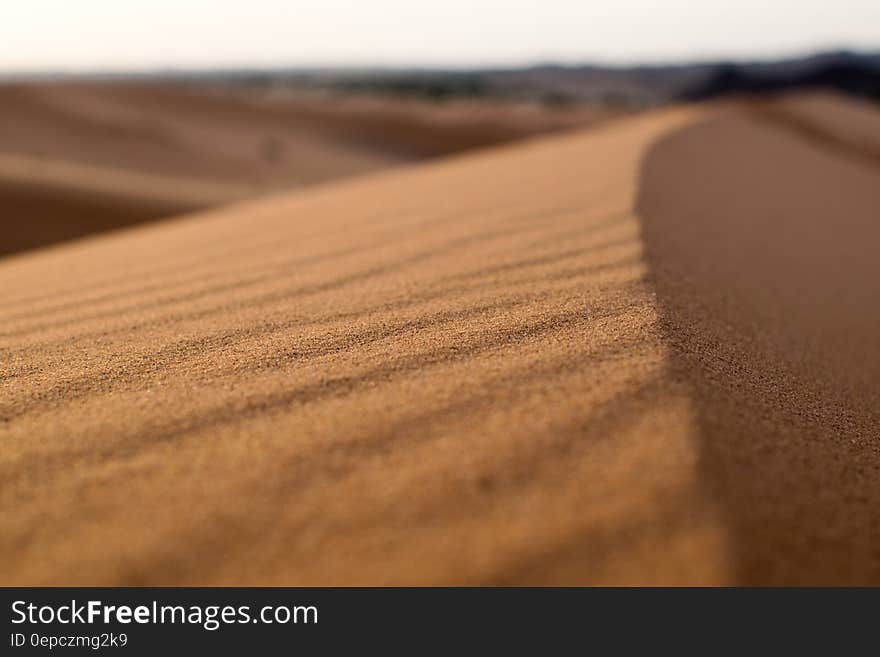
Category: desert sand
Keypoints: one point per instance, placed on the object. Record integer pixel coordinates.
(648, 353)
(79, 158)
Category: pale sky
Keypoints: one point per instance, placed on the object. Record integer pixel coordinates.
(76, 35)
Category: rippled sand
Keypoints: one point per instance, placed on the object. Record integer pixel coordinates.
(645, 354)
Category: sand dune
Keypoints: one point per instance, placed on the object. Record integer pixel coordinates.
(645, 354)
(78, 158)
(852, 127)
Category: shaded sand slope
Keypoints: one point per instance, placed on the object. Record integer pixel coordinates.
(765, 257)
(84, 157)
(556, 363)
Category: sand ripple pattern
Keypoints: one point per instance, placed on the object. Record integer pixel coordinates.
(499, 368)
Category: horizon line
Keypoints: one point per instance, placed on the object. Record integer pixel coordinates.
(221, 68)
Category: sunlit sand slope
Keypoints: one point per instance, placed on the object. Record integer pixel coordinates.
(646, 354)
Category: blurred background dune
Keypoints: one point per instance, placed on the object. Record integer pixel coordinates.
(79, 157)
(113, 114)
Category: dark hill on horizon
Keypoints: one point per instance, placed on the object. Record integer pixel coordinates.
(853, 76)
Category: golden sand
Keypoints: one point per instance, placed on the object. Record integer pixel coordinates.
(646, 354)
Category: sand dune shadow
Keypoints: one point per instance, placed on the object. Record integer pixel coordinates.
(762, 250)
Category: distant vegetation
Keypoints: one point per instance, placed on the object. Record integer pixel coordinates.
(433, 86)
(626, 87)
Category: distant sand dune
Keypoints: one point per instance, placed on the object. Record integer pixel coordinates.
(852, 127)
(79, 158)
(645, 354)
